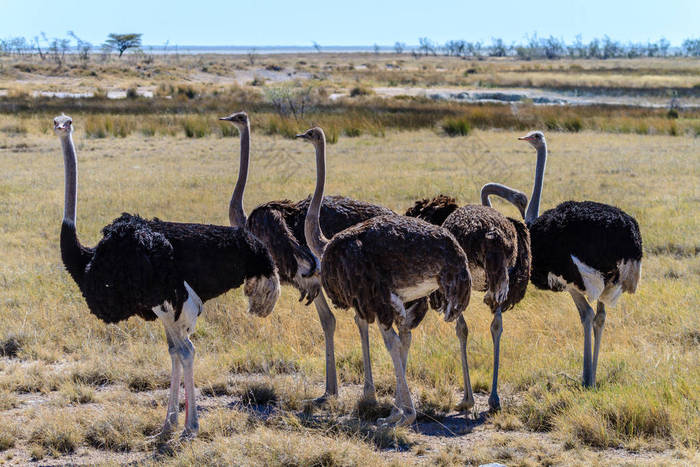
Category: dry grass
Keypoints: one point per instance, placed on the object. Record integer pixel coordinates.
(72, 386)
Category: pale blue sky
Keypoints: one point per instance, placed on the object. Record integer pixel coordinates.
(355, 22)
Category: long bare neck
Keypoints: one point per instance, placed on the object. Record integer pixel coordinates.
(236, 213)
(74, 256)
(496, 189)
(312, 225)
(70, 164)
(533, 209)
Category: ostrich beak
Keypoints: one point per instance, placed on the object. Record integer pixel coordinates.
(301, 135)
(228, 119)
(525, 138)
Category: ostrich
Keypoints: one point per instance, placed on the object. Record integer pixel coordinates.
(591, 250)
(498, 249)
(155, 269)
(380, 264)
(280, 225)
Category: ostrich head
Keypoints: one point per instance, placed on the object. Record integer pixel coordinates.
(535, 138)
(63, 125)
(240, 119)
(313, 135)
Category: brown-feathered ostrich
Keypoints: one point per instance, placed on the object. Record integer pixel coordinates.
(152, 268)
(498, 249)
(378, 265)
(280, 226)
(591, 250)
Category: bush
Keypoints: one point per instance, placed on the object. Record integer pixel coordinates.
(574, 125)
(352, 132)
(456, 127)
(360, 91)
(196, 127)
(672, 113)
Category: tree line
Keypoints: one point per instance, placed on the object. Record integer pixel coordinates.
(534, 47)
(56, 48)
(553, 48)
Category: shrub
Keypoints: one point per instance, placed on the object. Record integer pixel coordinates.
(360, 91)
(195, 127)
(573, 124)
(456, 127)
(352, 132)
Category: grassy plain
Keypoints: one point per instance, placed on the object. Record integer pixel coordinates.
(73, 390)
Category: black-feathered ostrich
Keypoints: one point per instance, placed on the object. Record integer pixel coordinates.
(280, 225)
(378, 265)
(591, 250)
(498, 249)
(152, 268)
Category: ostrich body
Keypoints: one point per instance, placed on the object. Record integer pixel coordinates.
(380, 264)
(280, 226)
(591, 250)
(165, 270)
(498, 250)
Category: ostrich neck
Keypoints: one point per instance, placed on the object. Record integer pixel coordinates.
(312, 225)
(71, 174)
(533, 209)
(72, 253)
(236, 213)
(495, 189)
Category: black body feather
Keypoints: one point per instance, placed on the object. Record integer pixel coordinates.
(142, 263)
(597, 234)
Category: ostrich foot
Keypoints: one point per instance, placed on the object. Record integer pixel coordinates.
(494, 403)
(465, 405)
(401, 418)
(321, 400)
(189, 434)
(395, 415)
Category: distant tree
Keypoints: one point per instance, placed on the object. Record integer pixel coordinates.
(399, 47)
(57, 50)
(611, 49)
(594, 49)
(376, 48)
(473, 49)
(498, 48)
(664, 46)
(317, 46)
(122, 42)
(83, 47)
(552, 47)
(426, 46)
(691, 47)
(252, 55)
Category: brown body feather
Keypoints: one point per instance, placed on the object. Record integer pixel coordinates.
(363, 265)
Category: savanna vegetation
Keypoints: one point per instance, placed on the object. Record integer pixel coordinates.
(73, 390)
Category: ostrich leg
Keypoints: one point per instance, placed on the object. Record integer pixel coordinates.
(598, 324)
(175, 379)
(586, 313)
(409, 411)
(496, 330)
(191, 421)
(462, 333)
(393, 345)
(328, 324)
(368, 391)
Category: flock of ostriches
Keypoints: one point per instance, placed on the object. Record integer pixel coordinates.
(390, 268)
